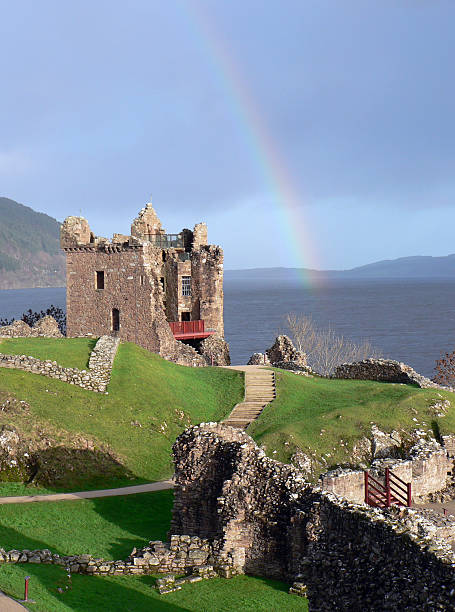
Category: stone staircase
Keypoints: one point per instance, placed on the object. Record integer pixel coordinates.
(259, 391)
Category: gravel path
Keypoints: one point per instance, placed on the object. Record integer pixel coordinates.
(143, 488)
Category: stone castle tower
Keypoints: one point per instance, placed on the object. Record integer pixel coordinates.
(162, 291)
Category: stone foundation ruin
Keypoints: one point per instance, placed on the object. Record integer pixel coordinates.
(271, 523)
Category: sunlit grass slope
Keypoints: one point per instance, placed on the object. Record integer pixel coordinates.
(150, 402)
(67, 352)
(328, 416)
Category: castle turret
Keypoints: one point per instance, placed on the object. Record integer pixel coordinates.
(147, 223)
(75, 231)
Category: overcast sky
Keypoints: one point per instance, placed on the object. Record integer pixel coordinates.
(306, 133)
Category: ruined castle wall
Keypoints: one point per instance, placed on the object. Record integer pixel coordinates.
(90, 309)
(207, 275)
(185, 301)
(170, 274)
(427, 473)
(131, 285)
(358, 559)
(385, 370)
(271, 523)
(95, 379)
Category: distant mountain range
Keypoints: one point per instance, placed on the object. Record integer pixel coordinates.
(404, 267)
(30, 254)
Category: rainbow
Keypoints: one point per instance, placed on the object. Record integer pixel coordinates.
(263, 149)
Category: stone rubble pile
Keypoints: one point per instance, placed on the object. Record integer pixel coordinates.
(282, 354)
(170, 583)
(96, 378)
(46, 327)
(385, 370)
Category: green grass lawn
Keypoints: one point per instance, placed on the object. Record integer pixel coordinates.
(67, 352)
(105, 527)
(150, 402)
(134, 593)
(327, 417)
(110, 528)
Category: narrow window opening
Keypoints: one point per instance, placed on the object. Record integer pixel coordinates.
(163, 286)
(115, 319)
(185, 316)
(186, 285)
(100, 279)
(142, 279)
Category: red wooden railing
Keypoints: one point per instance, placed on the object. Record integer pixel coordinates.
(187, 327)
(393, 491)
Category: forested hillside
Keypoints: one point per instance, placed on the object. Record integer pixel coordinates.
(30, 254)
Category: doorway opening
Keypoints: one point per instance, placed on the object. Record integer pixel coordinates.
(115, 319)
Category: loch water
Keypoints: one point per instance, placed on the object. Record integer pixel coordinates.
(411, 320)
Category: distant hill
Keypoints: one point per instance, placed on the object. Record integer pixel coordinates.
(404, 267)
(30, 256)
(30, 253)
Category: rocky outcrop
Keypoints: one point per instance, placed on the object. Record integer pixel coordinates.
(46, 327)
(284, 350)
(215, 351)
(258, 359)
(385, 370)
(282, 354)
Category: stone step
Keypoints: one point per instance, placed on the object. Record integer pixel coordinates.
(259, 392)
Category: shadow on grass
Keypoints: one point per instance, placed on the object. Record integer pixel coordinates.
(146, 515)
(85, 593)
(73, 467)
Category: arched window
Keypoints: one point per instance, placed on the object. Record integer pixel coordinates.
(115, 319)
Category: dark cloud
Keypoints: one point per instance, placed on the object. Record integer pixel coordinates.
(102, 103)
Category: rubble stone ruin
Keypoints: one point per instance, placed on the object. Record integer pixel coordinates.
(162, 291)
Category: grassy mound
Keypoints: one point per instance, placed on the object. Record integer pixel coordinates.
(325, 418)
(149, 403)
(110, 528)
(67, 352)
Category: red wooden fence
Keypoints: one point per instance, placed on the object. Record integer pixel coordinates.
(393, 491)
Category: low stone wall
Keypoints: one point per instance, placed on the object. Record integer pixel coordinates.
(46, 327)
(428, 470)
(385, 370)
(180, 555)
(96, 378)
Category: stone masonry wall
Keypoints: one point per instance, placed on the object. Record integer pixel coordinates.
(207, 286)
(428, 472)
(96, 378)
(274, 524)
(385, 370)
(237, 510)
